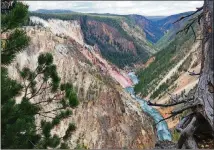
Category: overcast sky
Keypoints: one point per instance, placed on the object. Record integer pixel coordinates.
(147, 8)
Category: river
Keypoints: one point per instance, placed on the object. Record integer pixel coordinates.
(162, 127)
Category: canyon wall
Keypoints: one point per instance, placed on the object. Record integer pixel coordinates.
(107, 116)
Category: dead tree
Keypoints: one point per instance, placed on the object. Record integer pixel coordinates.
(198, 125)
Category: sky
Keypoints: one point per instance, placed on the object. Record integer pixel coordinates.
(147, 8)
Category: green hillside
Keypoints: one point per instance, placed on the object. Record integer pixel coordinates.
(164, 61)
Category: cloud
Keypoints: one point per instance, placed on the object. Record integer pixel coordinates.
(148, 8)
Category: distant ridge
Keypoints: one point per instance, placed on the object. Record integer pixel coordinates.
(52, 11)
(154, 27)
(155, 18)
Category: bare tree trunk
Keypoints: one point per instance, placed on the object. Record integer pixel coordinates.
(204, 93)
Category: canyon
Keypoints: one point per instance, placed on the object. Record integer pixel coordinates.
(97, 56)
(107, 116)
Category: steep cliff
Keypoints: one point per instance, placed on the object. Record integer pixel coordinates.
(119, 40)
(107, 116)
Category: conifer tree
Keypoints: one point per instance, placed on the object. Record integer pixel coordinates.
(18, 128)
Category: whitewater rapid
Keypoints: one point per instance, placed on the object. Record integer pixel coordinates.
(162, 127)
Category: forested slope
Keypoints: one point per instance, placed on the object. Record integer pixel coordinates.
(165, 60)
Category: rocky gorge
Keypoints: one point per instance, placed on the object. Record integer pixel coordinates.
(97, 55)
(107, 116)
(81, 80)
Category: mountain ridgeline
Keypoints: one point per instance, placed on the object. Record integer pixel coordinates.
(124, 40)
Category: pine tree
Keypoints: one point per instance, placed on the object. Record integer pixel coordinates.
(18, 119)
(15, 38)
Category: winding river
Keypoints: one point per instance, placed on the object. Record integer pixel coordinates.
(162, 127)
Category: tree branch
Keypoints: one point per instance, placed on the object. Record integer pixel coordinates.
(174, 113)
(193, 73)
(53, 110)
(165, 118)
(186, 28)
(33, 95)
(45, 116)
(168, 105)
(187, 133)
(184, 122)
(198, 9)
(26, 89)
(50, 99)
